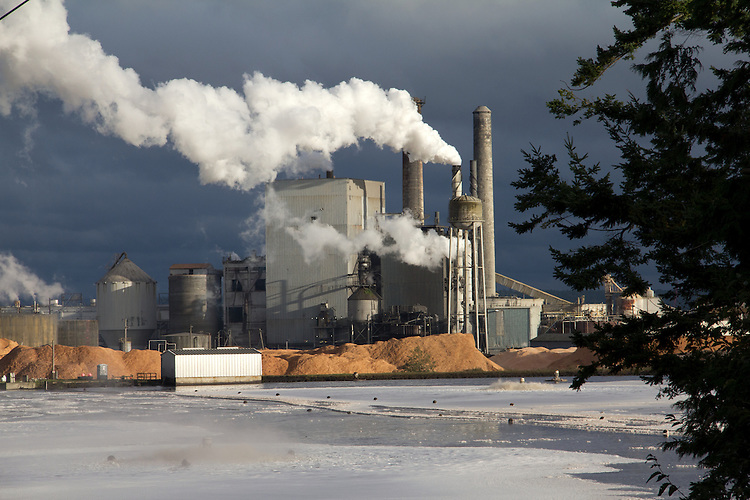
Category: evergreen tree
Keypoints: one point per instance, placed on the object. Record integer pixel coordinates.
(680, 207)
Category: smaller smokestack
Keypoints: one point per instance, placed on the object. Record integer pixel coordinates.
(456, 183)
(412, 186)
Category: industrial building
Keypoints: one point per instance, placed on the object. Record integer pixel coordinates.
(297, 290)
(244, 301)
(225, 365)
(288, 299)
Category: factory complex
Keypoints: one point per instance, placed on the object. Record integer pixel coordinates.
(305, 294)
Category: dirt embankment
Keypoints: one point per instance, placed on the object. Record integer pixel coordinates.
(440, 353)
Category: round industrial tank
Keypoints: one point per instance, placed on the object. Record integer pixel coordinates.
(363, 304)
(126, 297)
(188, 340)
(195, 303)
(464, 210)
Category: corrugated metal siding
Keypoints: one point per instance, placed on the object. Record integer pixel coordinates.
(216, 365)
(508, 328)
(134, 301)
(407, 285)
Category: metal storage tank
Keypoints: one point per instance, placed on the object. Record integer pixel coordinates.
(187, 340)
(126, 298)
(194, 299)
(463, 210)
(227, 365)
(363, 304)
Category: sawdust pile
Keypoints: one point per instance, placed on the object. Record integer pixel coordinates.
(445, 353)
(72, 362)
(6, 346)
(543, 359)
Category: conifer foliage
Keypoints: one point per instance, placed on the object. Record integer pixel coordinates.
(681, 206)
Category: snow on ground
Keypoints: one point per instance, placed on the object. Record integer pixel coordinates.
(418, 439)
(622, 404)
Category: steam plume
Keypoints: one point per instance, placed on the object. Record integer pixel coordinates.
(238, 139)
(17, 281)
(397, 235)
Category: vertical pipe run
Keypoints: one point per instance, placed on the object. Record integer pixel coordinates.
(485, 190)
(473, 178)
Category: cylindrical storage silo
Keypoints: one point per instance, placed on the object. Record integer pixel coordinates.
(363, 304)
(126, 305)
(194, 299)
(464, 210)
(188, 341)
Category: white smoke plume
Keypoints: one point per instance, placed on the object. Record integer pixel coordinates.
(17, 281)
(396, 235)
(238, 139)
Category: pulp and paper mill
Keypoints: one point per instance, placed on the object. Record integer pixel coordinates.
(280, 300)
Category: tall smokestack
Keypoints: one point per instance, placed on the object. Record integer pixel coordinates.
(485, 190)
(413, 181)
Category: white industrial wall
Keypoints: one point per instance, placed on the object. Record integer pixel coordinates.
(182, 367)
(295, 288)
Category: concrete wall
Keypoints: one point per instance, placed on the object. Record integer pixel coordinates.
(78, 332)
(32, 330)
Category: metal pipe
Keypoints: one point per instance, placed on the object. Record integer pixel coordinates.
(473, 178)
(456, 184)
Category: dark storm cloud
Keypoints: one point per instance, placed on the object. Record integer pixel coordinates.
(76, 199)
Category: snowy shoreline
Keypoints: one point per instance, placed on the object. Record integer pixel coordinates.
(418, 439)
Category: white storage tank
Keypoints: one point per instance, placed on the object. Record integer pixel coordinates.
(126, 305)
(225, 365)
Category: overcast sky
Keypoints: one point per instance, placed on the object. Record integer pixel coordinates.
(72, 199)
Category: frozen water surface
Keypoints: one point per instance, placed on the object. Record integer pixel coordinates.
(364, 439)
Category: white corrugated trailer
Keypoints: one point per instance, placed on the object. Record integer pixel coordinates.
(211, 366)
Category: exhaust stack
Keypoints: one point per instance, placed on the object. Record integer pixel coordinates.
(413, 181)
(485, 191)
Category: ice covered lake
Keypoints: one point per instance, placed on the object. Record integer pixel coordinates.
(448, 439)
